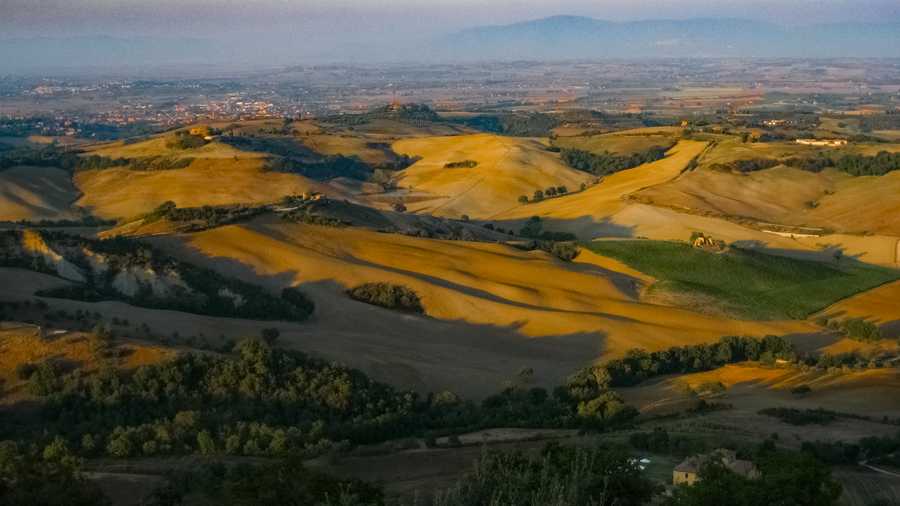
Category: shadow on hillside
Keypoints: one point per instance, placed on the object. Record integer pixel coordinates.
(409, 350)
(585, 228)
(829, 253)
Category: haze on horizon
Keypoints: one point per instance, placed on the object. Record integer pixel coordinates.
(210, 18)
(292, 31)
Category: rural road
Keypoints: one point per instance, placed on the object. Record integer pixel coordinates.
(866, 464)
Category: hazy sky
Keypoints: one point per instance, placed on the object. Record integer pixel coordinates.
(390, 18)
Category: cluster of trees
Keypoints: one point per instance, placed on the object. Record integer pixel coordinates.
(846, 361)
(539, 195)
(565, 250)
(833, 452)
(87, 221)
(795, 416)
(875, 449)
(660, 441)
(416, 114)
(888, 121)
(183, 139)
(286, 482)
(48, 476)
(146, 163)
(45, 156)
(608, 163)
(516, 125)
(308, 216)
(389, 296)
(323, 168)
(53, 156)
(855, 165)
(204, 217)
(746, 165)
(205, 291)
(261, 401)
(859, 329)
(465, 164)
(534, 229)
(639, 365)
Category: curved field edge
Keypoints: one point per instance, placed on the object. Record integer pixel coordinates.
(746, 282)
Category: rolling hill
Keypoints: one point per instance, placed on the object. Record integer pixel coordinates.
(497, 306)
(506, 168)
(36, 193)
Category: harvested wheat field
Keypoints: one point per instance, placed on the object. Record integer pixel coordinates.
(506, 169)
(124, 193)
(484, 302)
(828, 200)
(608, 210)
(601, 201)
(36, 193)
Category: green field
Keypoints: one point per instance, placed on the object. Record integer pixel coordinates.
(748, 283)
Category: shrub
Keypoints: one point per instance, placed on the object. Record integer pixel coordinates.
(801, 390)
(25, 370)
(465, 164)
(861, 330)
(184, 140)
(388, 296)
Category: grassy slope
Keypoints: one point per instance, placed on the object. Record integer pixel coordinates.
(749, 283)
(507, 168)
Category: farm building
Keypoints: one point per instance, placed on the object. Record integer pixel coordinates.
(688, 472)
(833, 143)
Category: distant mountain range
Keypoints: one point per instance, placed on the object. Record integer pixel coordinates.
(580, 37)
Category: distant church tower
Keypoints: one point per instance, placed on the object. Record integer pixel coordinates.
(395, 103)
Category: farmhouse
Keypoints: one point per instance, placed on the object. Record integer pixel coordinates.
(822, 142)
(687, 473)
(703, 241)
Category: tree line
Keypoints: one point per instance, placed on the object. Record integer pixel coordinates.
(602, 164)
(204, 217)
(71, 161)
(639, 365)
